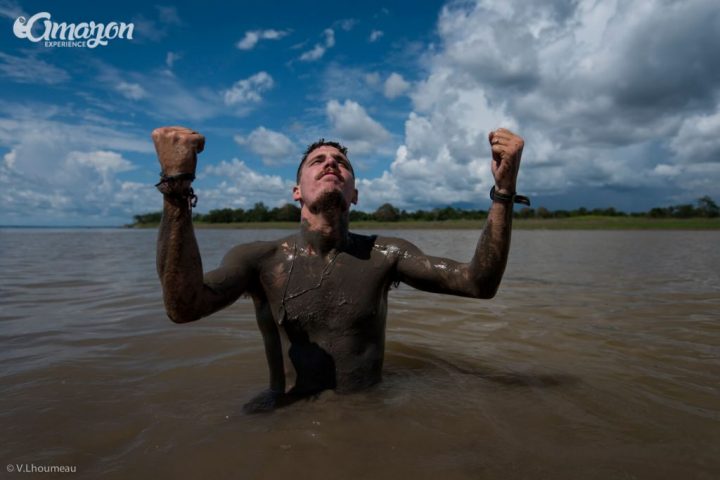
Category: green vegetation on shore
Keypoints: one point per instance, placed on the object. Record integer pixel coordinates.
(703, 216)
(575, 223)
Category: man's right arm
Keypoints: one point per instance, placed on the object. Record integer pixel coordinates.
(187, 294)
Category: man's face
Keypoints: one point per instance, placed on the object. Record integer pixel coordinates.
(326, 169)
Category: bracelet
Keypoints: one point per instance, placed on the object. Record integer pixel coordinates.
(171, 178)
(188, 195)
(512, 198)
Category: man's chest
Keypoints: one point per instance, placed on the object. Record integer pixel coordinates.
(339, 293)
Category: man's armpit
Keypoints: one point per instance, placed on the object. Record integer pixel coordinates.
(224, 282)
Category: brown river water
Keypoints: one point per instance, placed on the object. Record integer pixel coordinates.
(598, 359)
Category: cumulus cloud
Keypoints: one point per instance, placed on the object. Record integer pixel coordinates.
(248, 90)
(100, 166)
(252, 37)
(395, 85)
(603, 92)
(355, 127)
(242, 187)
(697, 139)
(335, 81)
(62, 170)
(317, 52)
(375, 35)
(274, 148)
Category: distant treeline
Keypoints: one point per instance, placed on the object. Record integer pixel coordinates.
(705, 207)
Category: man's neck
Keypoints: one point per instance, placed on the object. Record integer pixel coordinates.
(321, 233)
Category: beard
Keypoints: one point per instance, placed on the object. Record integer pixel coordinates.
(329, 203)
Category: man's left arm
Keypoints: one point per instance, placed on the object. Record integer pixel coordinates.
(480, 278)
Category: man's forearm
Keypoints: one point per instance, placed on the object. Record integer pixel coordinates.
(491, 254)
(178, 261)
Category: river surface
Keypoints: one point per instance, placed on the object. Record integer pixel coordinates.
(598, 359)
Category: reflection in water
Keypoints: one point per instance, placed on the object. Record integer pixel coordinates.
(599, 358)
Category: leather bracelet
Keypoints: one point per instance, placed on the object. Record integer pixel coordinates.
(496, 196)
(172, 178)
(166, 189)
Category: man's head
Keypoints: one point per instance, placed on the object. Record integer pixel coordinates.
(321, 143)
(325, 173)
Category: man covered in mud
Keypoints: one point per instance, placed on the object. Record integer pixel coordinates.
(320, 295)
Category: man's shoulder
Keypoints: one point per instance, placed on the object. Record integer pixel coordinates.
(258, 250)
(385, 244)
(383, 241)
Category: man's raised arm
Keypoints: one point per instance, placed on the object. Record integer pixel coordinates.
(480, 277)
(187, 297)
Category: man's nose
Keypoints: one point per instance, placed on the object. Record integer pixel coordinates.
(330, 162)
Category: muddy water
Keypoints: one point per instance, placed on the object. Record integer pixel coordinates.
(599, 358)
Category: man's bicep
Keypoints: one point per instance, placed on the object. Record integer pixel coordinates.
(432, 274)
(231, 279)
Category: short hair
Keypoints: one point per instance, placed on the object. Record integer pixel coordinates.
(321, 143)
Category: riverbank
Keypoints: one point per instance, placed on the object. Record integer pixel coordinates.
(589, 222)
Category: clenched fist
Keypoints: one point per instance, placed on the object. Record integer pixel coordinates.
(506, 151)
(177, 149)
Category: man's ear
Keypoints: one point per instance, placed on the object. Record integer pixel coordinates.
(355, 197)
(297, 194)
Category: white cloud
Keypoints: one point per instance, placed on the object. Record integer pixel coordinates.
(30, 69)
(329, 38)
(697, 139)
(98, 168)
(395, 85)
(155, 29)
(273, 147)
(607, 95)
(339, 81)
(372, 78)
(57, 171)
(165, 96)
(10, 158)
(252, 37)
(242, 187)
(171, 58)
(319, 49)
(131, 91)
(315, 53)
(355, 127)
(168, 15)
(346, 24)
(83, 187)
(102, 161)
(375, 35)
(11, 9)
(248, 90)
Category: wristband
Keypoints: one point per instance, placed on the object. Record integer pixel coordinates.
(172, 178)
(167, 181)
(512, 198)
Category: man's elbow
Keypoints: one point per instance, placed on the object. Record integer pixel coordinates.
(487, 289)
(181, 315)
(485, 293)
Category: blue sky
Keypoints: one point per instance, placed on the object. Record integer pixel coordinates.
(619, 102)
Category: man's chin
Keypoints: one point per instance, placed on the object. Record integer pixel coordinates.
(330, 201)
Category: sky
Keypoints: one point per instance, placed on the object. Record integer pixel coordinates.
(618, 102)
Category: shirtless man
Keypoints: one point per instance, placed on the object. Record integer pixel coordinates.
(320, 295)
